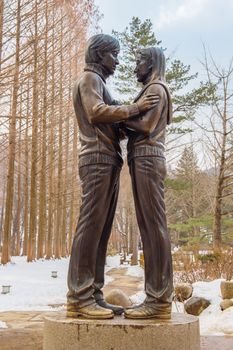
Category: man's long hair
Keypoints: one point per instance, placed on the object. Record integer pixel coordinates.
(100, 43)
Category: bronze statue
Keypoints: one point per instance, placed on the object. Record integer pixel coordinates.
(100, 163)
(146, 161)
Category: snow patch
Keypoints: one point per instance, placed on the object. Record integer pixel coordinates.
(32, 287)
(135, 271)
(213, 321)
(113, 261)
(208, 290)
(3, 324)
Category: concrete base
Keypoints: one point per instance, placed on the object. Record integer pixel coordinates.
(179, 333)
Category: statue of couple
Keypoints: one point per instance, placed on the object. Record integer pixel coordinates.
(100, 119)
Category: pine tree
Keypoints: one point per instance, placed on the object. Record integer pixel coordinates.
(140, 34)
(189, 207)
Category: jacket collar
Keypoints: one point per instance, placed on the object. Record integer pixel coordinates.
(98, 69)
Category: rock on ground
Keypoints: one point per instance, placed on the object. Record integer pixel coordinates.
(195, 305)
(117, 297)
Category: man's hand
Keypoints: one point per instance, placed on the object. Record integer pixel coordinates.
(147, 102)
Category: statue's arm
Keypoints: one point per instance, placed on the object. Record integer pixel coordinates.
(147, 121)
(91, 91)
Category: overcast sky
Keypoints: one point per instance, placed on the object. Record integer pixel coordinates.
(182, 25)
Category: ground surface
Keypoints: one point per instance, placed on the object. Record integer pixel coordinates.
(25, 329)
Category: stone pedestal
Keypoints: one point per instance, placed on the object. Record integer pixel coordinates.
(179, 333)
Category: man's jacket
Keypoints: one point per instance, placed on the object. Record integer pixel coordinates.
(97, 118)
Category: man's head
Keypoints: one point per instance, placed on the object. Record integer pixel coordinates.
(103, 49)
(150, 64)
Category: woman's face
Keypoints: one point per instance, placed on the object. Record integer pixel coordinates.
(143, 68)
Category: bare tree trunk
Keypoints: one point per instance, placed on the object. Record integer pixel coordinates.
(12, 141)
(217, 238)
(134, 259)
(33, 190)
(26, 179)
(49, 240)
(2, 211)
(64, 214)
(1, 28)
(42, 195)
(73, 186)
(19, 199)
(217, 234)
(60, 172)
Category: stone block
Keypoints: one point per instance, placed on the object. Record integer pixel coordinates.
(179, 333)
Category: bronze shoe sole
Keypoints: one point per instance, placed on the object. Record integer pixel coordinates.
(76, 314)
(155, 316)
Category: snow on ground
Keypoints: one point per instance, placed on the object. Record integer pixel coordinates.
(32, 287)
(113, 261)
(135, 271)
(208, 290)
(212, 319)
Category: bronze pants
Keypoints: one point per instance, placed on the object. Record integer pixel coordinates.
(100, 187)
(147, 175)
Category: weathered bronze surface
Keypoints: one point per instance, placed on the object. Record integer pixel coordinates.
(148, 169)
(100, 163)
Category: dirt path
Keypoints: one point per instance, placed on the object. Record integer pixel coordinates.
(25, 329)
(128, 284)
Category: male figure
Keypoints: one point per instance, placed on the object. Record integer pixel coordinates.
(100, 163)
(148, 169)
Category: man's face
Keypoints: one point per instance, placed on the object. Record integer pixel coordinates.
(109, 61)
(143, 68)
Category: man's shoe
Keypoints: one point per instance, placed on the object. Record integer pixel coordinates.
(92, 311)
(117, 309)
(160, 311)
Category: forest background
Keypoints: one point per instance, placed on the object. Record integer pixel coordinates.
(42, 45)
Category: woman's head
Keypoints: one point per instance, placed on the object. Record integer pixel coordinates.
(150, 64)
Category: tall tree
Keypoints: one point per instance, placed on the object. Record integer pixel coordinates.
(138, 34)
(42, 224)
(188, 200)
(42, 44)
(219, 130)
(1, 28)
(12, 145)
(34, 152)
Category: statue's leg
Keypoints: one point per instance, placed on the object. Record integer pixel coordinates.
(97, 187)
(102, 248)
(147, 174)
